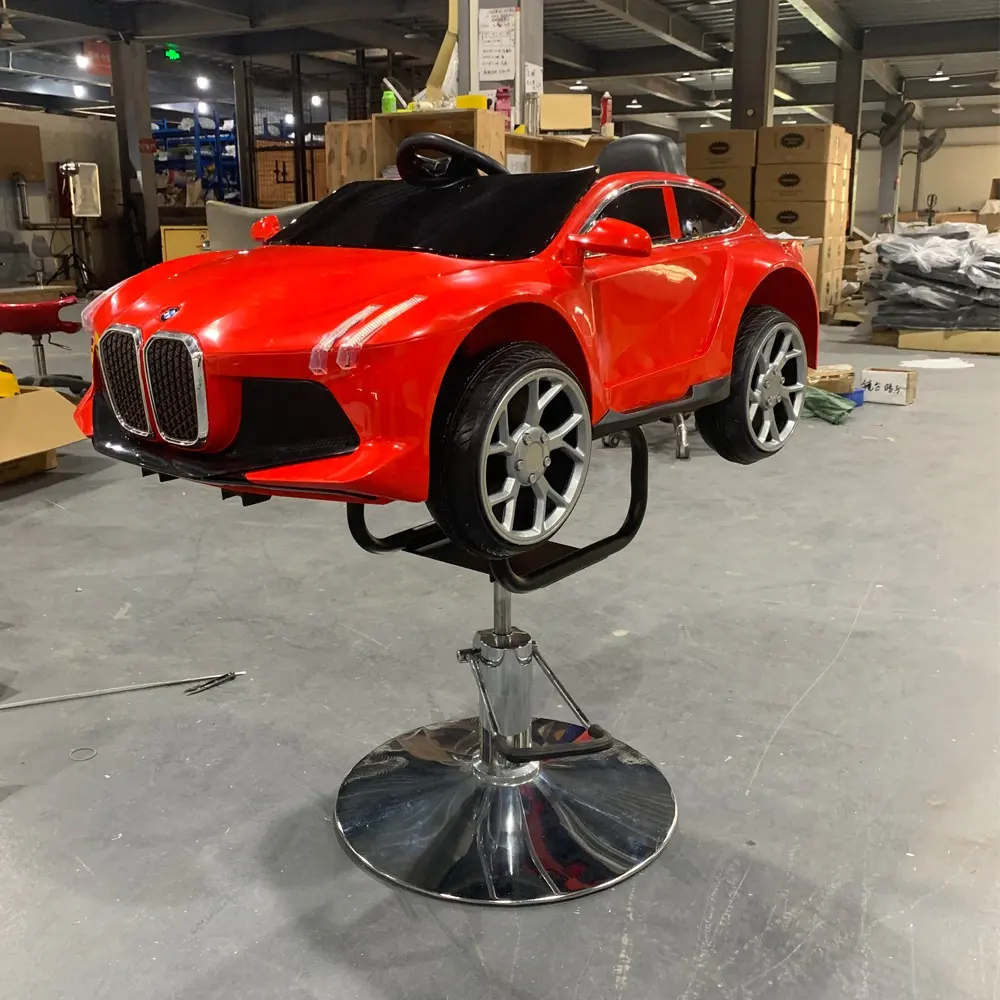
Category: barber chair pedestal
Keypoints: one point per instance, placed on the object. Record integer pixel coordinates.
(507, 809)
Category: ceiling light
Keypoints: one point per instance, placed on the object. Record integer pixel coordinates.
(79, 90)
(201, 82)
(82, 60)
(315, 100)
(957, 106)
(995, 82)
(579, 85)
(996, 110)
(705, 124)
(939, 75)
(289, 119)
(789, 121)
(202, 108)
(634, 105)
(8, 33)
(686, 78)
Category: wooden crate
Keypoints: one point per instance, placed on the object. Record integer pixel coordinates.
(350, 153)
(551, 153)
(276, 174)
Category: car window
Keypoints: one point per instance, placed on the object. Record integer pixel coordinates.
(701, 214)
(643, 207)
(502, 217)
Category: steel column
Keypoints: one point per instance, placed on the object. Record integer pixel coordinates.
(243, 86)
(755, 41)
(888, 183)
(848, 97)
(130, 90)
(299, 142)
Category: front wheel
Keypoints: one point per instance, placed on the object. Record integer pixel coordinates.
(767, 390)
(513, 458)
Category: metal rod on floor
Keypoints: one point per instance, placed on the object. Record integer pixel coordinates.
(125, 688)
(501, 610)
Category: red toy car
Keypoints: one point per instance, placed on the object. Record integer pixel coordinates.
(459, 339)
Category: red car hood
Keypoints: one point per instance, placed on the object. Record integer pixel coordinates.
(273, 298)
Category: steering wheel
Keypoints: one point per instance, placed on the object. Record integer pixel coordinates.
(457, 160)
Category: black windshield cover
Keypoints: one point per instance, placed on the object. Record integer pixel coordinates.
(503, 217)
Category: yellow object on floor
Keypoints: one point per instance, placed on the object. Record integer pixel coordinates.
(8, 382)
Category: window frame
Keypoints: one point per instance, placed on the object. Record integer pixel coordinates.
(673, 217)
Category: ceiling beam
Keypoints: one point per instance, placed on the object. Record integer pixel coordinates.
(658, 22)
(306, 12)
(566, 52)
(944, 39)
(86, 12)
(371, 34)
(887, 77)
(830, 21)
(668, 90)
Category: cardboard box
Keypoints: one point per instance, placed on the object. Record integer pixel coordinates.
(32, 425)
(832, 253)
(828, 290)
(808, 218)
(832, 378)
(730, 148)
(811, 258)
(952, 341)
(990, 221)
(995, 189)
(800, 182)
(956, 217)
(800, 144)
(736, 182)
(565, 113)
(896, 386)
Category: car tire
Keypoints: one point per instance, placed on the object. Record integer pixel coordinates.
(510, 462)
(766, 393)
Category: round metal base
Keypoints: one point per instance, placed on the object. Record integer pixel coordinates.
(421, 812)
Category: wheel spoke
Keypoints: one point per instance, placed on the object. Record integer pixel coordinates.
(789, 395)
(794, 353)
(780, 358)
(765, 428)
(533, 412)
(544, 490)
(754, 407)
(549, 395)
(511, 488)
(504, 445)
(557, 439)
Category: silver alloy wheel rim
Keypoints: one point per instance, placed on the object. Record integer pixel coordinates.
(535, 457)
(777, 387)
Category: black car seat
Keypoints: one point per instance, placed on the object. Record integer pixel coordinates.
(640, 152)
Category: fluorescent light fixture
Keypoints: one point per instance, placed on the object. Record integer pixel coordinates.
(789, 121)
(315, 100)
(201, 82)
(82, 60)
(579, 85)
(633, 104)
(957, 106)
(939, 75)
(705, 124)
(79, 90)
(686, 78)
(202, 108)
(289, 119)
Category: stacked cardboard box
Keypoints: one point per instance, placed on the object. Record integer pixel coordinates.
(802, 187)
(726, 161)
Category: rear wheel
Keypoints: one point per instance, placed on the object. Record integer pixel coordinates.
(766, 393)
(512, 459)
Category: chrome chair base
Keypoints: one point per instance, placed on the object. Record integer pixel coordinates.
(424, 812)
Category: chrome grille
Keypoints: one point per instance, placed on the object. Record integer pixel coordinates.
(176, 383)
(118, 351)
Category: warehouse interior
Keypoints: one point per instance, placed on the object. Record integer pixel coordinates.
(785, 779)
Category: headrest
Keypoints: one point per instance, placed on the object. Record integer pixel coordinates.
(640, 152)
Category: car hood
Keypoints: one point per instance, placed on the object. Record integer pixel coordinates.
(276, 298)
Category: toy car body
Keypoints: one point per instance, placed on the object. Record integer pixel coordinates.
(339, 360)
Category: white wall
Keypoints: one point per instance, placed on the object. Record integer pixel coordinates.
(89, 140)
(960, 174)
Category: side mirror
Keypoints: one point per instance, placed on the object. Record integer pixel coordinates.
(264, 229)
(613, 236)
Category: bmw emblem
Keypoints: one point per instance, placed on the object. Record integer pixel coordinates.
(169, 313)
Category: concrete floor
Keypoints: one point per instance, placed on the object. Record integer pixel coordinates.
(809, 647)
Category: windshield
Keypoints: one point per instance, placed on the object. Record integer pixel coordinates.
(501, 217)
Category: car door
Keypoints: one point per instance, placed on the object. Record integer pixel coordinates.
(655, 316)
